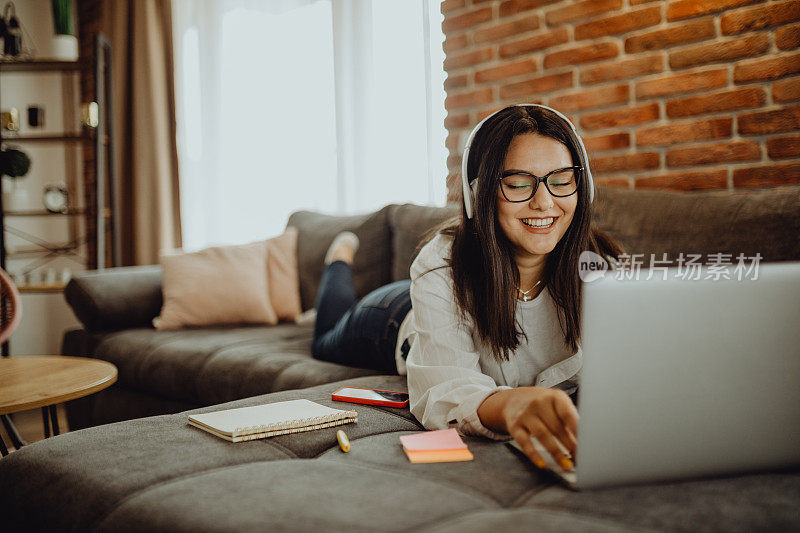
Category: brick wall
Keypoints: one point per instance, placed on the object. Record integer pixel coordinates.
(679, 94)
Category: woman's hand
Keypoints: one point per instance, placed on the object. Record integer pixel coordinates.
(547, 414)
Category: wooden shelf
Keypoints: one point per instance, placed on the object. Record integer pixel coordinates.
(43, 213)
(54, 248)
(58, 287)
(41, 65)
(65, 137)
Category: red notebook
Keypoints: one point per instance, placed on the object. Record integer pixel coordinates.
(444, 445)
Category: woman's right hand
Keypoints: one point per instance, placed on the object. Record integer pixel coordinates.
(525, 412)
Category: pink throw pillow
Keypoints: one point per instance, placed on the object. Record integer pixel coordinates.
(219, 285)
(283, 279)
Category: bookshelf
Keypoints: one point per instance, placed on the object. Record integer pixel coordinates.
(91, 239)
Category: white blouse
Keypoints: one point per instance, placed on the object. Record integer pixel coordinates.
(451, 371)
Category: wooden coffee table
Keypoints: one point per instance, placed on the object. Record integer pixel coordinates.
(28, 382)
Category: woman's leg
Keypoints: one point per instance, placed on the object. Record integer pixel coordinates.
(366, 334)
(335, 296)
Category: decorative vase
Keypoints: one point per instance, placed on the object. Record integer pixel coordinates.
(63, 48)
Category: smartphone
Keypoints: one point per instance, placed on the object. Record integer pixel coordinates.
(384, 398)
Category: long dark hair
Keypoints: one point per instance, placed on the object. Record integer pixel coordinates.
(485, 276)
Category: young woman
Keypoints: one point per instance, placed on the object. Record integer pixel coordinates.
(495, 326)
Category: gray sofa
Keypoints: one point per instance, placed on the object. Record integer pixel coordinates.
(170, 371)
(156, 473)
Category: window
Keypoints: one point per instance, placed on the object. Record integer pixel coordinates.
(298, 104)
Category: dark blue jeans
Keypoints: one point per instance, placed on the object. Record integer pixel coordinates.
(360, 333)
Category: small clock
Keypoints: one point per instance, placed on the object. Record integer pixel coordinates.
(55, 198)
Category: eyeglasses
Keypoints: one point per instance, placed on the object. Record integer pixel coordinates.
(518, 186)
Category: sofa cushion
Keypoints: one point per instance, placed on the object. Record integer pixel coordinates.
(703, 222)
(409, 224)
(283, 277)
(216, 286)
(372, 265)
(211, 365)
(159, 474)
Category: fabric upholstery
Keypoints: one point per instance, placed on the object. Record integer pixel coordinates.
(116, 298)
(177, 370)
(372, 263)
(283, 279)
(704, 222)
(159, 474)
(217, 285)
(410, 225)
(204, 366)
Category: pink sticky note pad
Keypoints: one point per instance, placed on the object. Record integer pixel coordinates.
(442, 439)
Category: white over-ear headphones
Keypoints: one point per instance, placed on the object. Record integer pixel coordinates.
(469, 187)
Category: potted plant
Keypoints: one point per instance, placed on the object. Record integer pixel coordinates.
(64, 42)
(14, 164)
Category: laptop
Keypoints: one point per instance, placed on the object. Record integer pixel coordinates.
(686, 378)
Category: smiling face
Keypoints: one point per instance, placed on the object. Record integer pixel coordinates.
(538, 155)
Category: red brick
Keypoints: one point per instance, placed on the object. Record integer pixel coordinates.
(455, 121)
(467, 19)
(717, 128)
(451, 44)
(592, 98)
(481, 96)
(537, 86)
(454, 161)
(713, 153)
(452, 5)
(452, 141)
(581, 54)
(485, 112)
(578, 10)
(617, 70)
(767, 175)
(787, 37)
(767, 69)
(454, 186)
(626, 162)
(720, 52)
(684, 9)
(689, 32)
(614, 182)
(506, 70)
(456, 82)
(786, 90)
(501, 31)
(468, 59)
(777, 121)
(624, 116)
(716, 102)
(685, 181)
(616, 24)
(682, 83)
(760, 17)
(784, 147)
(536, 42)
(511, 7)
(614, 141)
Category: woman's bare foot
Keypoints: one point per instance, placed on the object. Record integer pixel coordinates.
(343, 248)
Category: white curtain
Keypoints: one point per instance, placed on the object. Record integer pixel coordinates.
(335, 106)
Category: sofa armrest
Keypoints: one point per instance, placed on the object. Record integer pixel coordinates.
(116, 298)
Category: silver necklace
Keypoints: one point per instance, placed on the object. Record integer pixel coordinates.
(525, 294)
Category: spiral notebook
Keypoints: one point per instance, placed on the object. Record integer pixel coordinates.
(269, 420)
